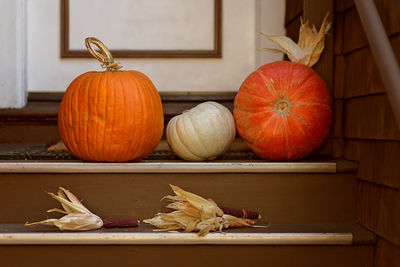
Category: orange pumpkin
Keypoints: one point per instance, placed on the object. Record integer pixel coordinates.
(111, 116)
(283, 109)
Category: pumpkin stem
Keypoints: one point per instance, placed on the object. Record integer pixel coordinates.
(105, 57)
(309, 47)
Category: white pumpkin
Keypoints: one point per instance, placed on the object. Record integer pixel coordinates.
(202, 133)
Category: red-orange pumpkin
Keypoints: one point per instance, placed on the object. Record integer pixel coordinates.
(283, 110)
(112, 116)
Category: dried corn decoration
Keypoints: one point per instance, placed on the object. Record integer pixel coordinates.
(78, 217)
(58, 148)
(194, 213)
(309, 47)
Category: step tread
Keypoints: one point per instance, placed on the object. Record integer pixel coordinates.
(274, 234)
(166, 167)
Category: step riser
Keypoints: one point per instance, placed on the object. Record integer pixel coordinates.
(277, 256)
(280, 198)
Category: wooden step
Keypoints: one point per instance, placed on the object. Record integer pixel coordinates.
(278, 245)
(308, 206)
(287, 192)
(186, 256)
(167, 167)
(271, 234)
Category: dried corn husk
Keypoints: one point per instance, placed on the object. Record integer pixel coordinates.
(309, 47)
(194, 213)
(78, 217)
(58, 148)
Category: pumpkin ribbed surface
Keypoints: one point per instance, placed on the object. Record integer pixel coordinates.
(283, 111)
(202, 133)
(112, 116)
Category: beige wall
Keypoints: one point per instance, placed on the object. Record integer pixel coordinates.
(242, 22)
(12, 54)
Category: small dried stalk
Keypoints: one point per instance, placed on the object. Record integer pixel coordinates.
(78, 217)
(309, 47)
(58, 148)
(194, 213)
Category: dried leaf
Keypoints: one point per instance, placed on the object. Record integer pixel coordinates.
(194, 213)
(208, 209)
(69, 202)
(78, 217)
(58, 148)
(186, 208)
(309, 47)
(57, 210)
(73, 222)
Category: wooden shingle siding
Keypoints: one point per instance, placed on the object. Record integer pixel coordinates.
(343, 5)
(389, 15)
(365, 130)
(378, 160)
(292, 29)
(339, 77)
(377, 210)
(370, 117)
(387, 254)
(367, 205)
(338, 119)
(338, 29)
(294, 8)
(354, 36)
(353, 33)
(362, 62)
(314, 11)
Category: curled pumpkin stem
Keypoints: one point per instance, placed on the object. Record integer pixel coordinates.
(105, 56)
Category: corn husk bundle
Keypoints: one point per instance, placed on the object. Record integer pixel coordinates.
(194, 213)
(309, 47)
(77, 218)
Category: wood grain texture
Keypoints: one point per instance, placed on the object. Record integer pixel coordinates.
(387, 254)
(389, 14)
(337, 148)
(361, 73)
(188, 256)
(284, 198)
(338, 30)
(292, 29)
(354, 36)
(370, 117)
(368, 205)
(368, 126)
(293, 10)
(339, 76)
(315, 11)
(29, 133)
(342, 5)
(377, 210)
(338, 119)
(378, 160)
